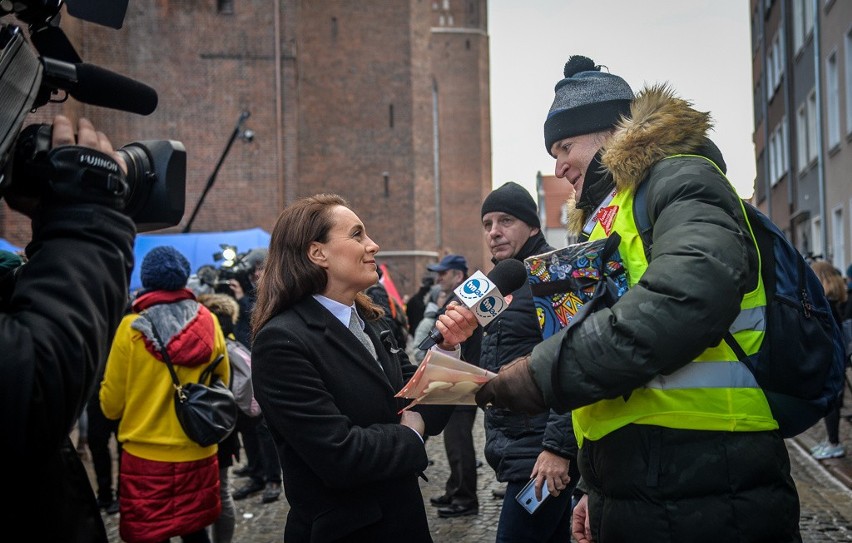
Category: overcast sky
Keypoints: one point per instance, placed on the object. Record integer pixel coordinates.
(701, 47)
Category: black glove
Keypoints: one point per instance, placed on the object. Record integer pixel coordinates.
(514, 388)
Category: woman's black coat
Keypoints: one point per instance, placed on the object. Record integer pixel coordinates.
(350, 469)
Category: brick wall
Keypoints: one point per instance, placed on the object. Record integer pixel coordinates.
(342, 97)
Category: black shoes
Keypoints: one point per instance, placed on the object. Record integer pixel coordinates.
(458, 510)
(108, 504)
(244, 471)
(251, 487)
(441, 501)
(271, 492)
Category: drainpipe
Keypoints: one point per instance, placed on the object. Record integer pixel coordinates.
(436, 164)
(764, 101)
(819, 121)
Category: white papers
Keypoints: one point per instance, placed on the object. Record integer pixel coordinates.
(443, 380)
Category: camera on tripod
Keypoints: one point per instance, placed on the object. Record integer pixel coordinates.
(156, 178)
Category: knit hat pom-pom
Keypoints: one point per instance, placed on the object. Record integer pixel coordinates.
(579, 63)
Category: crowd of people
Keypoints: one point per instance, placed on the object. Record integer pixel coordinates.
(604, 420)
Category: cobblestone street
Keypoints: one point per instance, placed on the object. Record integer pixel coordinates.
(826, 512)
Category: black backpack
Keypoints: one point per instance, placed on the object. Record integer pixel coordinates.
(801, 363)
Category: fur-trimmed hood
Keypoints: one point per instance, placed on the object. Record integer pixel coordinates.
(660, 125)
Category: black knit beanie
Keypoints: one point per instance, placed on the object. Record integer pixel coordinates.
(587, 101)
(515, 200)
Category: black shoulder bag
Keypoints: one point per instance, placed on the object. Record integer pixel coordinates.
(206, 412)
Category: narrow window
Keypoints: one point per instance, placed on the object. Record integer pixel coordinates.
(390, 115)
(225, 7)
(334, 28)
(386, 178)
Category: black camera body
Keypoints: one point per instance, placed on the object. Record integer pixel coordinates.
(155, 192)
(240, 270)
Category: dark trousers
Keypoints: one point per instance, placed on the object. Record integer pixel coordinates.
(100, 430)
(461, 455)
(551, 522)
(261, 454)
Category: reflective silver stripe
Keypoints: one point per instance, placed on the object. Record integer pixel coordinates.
(706, 375)
(750, 319)
(593, 218)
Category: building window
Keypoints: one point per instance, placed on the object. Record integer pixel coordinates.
(802, 137)
(806, 132)
(798, 24)
(390, 115)
(832, 98)
(778, 153)
(774, 65)
(813, 152)
(225, 7)
(803, 23)
(815, 250)
(838, 256)
(848, 67)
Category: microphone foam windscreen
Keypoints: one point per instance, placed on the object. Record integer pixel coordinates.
(508, 275)
(101, 87)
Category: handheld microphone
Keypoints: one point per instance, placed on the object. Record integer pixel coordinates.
(484, 294)
(98, 86)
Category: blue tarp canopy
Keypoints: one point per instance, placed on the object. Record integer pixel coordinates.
(198, 248)
(6, 246)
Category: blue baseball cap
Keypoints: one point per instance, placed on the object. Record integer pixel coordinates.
(449, 262)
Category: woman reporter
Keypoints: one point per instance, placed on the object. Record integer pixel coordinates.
(350, 461)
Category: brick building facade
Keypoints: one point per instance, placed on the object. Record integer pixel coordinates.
(385, 103)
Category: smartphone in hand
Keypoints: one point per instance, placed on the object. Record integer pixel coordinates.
(526, 497)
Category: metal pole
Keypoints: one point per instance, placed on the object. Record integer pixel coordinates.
(243, 116)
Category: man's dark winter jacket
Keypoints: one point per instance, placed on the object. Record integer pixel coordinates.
(57, 325)
(513, 441)
(648, 483)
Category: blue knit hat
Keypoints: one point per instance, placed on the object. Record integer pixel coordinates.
(164, 268)
(586, 101)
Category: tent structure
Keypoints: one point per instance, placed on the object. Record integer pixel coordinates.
(198, 248)
(6, 246)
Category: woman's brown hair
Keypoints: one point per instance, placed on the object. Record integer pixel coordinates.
(831, 279)
(289, 275)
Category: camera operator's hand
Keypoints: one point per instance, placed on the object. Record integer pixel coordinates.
(85, 169)
(236, 288)
(87, 136)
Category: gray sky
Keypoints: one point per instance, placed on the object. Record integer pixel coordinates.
(701, 47)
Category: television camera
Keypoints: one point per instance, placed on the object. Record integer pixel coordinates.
(46, 68)
(232, 265)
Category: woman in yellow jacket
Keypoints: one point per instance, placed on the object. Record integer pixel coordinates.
(169, 485)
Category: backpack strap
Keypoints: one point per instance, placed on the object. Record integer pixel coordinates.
(642, 218)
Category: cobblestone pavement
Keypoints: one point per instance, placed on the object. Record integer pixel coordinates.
(824, 490)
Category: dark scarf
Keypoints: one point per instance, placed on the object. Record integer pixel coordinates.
(597, 183)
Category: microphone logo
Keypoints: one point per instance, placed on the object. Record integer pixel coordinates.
(474, 288)
(490, 306)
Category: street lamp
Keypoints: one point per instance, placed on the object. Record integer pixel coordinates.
(245, 134)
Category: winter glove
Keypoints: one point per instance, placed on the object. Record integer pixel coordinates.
(514, 388)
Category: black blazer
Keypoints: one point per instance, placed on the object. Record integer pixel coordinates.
(350, 469)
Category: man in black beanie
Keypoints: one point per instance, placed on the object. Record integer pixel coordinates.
(520, 447)
(677, 440)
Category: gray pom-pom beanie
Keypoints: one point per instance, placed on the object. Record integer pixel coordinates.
(587, 100)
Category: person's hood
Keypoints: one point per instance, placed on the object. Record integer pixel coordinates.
(660, 125)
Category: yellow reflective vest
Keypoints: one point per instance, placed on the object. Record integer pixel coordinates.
(713, 392)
